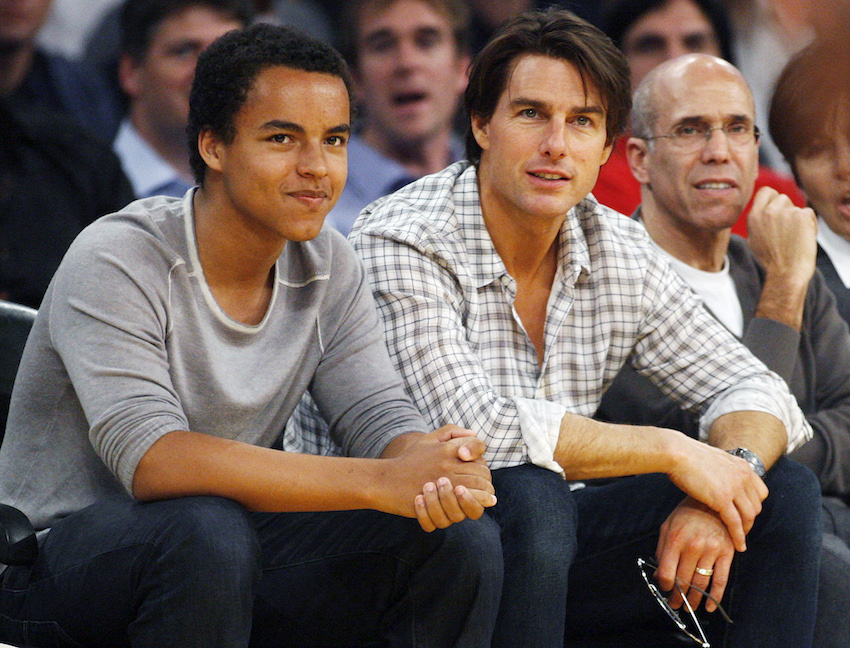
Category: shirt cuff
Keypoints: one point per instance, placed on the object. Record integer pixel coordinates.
(760, 396)
(540, 423)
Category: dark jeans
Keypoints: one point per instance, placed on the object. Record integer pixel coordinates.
(772, 593)
(578, 552)
(201, 571)
(537, 517)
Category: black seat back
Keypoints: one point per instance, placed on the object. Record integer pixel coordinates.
(15, 324)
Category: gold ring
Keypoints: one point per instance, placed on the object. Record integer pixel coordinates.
(704, 572)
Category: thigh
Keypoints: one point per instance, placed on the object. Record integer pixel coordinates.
(619, 522)
(84, 586)
(329, 578)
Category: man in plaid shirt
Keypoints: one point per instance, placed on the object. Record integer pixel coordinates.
(511, 299)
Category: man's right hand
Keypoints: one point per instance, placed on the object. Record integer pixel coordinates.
(782, 237)
(440, 478)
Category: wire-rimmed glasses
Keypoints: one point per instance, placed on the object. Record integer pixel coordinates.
(647, 568)
(693, 136)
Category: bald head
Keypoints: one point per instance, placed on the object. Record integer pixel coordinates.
(694, 149)
(664, 87)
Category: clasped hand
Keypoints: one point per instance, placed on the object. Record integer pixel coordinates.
(454, 481)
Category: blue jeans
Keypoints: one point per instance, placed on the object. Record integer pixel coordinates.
(202, 571)
(574, 555)
(772, 593)
(537, 517)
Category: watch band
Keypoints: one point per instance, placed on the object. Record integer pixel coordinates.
(751, 458)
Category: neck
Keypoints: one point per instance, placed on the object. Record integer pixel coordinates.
(420, 157)
(238, 262)
(15, 64)
(528, 246)
(703, 249)
(169, 145)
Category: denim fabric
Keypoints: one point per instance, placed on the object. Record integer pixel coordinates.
(772, 594)
(195, 572)
(537, 517)
(832, 628)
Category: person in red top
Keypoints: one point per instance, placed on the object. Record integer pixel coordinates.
(650, 32)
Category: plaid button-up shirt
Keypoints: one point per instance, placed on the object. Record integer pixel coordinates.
(447, 302)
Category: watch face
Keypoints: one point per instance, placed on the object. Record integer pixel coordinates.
(751, 458)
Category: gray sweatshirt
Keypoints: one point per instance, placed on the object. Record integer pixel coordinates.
(129, 345)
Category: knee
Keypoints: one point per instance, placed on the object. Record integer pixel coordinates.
(475, 548)
(794, 502)
(208, 535)
(538, 517)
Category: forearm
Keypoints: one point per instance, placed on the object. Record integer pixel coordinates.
(589, 449)
(783, 299)
(762, 433)
(182, 464)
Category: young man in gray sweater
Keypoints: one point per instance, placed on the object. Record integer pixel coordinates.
(172, 346)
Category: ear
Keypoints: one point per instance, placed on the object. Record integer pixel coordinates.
(462, 77)
(637, 152)
(212, 149)
(480, 130)
(606, 152)
(129, 75)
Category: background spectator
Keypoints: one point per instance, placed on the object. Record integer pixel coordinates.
(409, 60)
(161, 41)
(650, 32)
(810, 122)
(33, 78)
(54, 180)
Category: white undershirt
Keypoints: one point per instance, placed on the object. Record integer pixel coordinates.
(717, 290)
(837, 248)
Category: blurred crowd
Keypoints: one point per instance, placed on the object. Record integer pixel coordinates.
(81, 86)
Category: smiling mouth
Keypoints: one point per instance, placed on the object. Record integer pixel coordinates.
(548, 176)
(715, 185)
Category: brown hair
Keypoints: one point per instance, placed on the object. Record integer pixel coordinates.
(808, 95)
(559, 34)
(457, 12)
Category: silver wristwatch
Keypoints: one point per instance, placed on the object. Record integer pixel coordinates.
(751, 458)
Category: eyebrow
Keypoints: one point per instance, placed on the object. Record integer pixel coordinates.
(701, 119)
(278, 124)
(534, 103)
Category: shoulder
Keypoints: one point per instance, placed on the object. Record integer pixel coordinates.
(425, 210)
(610, 235)
(327, 260)
(145, 233)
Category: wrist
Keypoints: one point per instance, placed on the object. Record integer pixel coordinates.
(751, 458)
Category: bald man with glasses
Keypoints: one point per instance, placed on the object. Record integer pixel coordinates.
(695, 154)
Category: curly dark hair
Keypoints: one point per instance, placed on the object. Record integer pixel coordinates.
(227, 70)
(560, 34)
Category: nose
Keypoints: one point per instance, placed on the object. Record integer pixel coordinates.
(408, 54)
(554, 142)
(312, 162)
(842, 159)
(716, 148)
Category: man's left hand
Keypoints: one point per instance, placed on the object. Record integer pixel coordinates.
(692, 537)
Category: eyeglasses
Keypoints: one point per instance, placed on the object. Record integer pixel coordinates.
(696, 633)
(693, 137)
